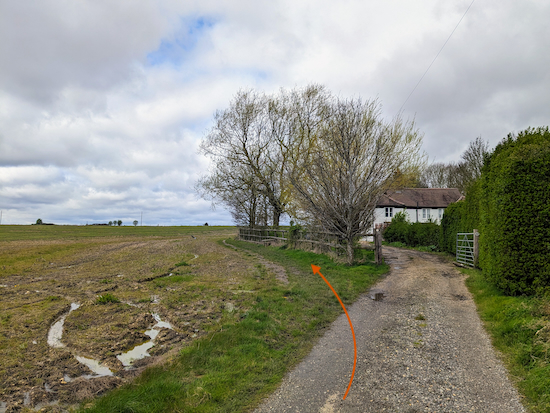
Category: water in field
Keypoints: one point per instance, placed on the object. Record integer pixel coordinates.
(56, 330)
(94, 366)
(55, 335)
(141, 351)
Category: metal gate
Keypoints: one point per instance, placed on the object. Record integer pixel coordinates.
(465, 248)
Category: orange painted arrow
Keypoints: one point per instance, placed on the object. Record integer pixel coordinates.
(317, 270)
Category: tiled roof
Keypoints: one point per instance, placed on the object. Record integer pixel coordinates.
(419, 198)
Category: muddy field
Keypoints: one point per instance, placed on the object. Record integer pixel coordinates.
(73, 305)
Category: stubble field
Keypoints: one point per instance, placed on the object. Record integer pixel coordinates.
(119, 277)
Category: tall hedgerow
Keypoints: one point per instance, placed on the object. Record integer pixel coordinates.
(514, 206)
(461, 216)
(451, 224)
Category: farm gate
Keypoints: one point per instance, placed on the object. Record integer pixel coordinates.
(467, 249)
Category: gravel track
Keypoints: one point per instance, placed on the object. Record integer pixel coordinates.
(421, 349)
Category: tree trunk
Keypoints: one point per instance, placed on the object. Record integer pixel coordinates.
(276, 217)
(350, 251)
(378, 258)
(252, 214)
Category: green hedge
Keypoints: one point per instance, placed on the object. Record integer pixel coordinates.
(398, 228)
(462, 216)
(412, 234)
(451, 224)
(515, 213)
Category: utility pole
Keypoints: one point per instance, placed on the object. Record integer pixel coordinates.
(141, 219)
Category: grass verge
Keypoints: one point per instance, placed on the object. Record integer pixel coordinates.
(246, 356)
(520, 330)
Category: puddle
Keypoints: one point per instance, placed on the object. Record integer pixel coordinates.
(40, 406)
(377, 296)
(94, 366)
(141, 351)
(56, 330)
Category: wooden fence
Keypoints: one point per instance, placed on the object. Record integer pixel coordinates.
(315, 240)
(319, 241)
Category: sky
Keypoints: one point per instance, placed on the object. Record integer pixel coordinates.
(103, 104)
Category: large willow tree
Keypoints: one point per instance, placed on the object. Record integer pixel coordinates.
(251, 145)
(355, 158)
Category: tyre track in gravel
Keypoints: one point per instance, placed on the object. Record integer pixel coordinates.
(421, 349)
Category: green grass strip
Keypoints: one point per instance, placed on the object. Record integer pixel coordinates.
(520, 330)
(245, 359)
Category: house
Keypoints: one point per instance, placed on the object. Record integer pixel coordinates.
(420, 204)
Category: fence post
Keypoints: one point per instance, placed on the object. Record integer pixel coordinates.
(476, 248)
(378, 246)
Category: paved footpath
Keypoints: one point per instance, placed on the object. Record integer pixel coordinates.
(421, 349)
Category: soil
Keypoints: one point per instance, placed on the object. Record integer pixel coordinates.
(179, 279)
(421, 348)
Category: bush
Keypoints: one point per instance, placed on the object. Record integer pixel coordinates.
(412, 234)
(515, 213)
(423, 234)
(398, 228)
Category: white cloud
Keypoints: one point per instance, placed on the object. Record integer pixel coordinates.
(103, 105)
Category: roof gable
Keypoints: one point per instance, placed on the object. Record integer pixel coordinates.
(419, 197)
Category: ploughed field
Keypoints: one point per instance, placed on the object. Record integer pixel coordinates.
(85, 309)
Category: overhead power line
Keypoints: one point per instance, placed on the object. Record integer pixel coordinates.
(437, 55)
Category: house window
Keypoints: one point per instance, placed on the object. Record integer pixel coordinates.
(425, 213)
(389, 212)
(441, 212)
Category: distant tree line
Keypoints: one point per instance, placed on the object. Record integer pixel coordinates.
(460, 174)
(111, 223)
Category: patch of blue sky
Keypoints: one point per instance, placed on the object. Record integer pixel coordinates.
(174, 50)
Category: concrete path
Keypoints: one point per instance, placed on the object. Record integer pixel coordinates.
(421, 349)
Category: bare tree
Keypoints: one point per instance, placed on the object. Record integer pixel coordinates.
(231, 185)
(257, 136)
(457, 175)
(354, 160)
(472, 161)
(437, 175)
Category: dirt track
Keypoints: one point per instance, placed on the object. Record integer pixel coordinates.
(421, 349)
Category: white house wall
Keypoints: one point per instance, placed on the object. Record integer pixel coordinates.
(380, 215)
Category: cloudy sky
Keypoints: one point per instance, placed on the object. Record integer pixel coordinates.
(103, 103)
